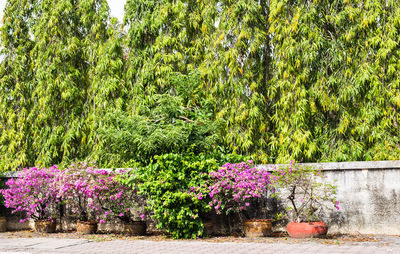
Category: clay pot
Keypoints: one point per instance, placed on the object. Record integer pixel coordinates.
(135, 228)
(209, 227)
(3, 224)
(86, 227)
(45, 226)
(307, 229)
(257, 228)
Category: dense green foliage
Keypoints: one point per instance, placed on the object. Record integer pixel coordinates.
(49, 48)
(274, 79)
(236, 70)
(178, 120)
(166, 183)
(335, 80)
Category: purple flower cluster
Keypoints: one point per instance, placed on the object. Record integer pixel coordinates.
(117, 200)
(87, 192)
(336, 204)
(234, 185)
(95, 193)
(33, 192)
(79, 189)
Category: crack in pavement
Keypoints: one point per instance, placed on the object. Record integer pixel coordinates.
(74, 244)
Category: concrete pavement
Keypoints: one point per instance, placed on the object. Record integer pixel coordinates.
(61, 245)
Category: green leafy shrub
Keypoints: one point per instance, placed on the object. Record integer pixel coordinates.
(166, 183)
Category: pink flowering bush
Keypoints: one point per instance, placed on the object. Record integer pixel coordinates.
(88, 193)
(33, 192)
(306, 193)
(235, 185)
(79, 189)
(117, 200)
(93, 193)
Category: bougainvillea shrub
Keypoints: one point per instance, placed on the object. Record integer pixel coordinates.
(118, 200)
(78, 188)
(234, 185)
(92, 193)
(33, 192)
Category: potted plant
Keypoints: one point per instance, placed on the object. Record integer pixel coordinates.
(118, 201)
(234, 187)
(308, 196)
(79, 190)
(3, 224)
(34, 193)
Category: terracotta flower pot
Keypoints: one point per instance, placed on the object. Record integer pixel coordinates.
(86, 227)
(307, 229)
(135, 228)
(209, 227)
(3, 224)
(45, 226)
(257, 228)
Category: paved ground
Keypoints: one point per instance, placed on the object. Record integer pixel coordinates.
(370, 244)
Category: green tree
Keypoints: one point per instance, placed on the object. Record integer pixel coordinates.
(179, 121)
(53, 44)
(304, 80)
(163, 37)
(16, 84)
(108, 92)
(227, 41)
(335, 82)
(236, 70)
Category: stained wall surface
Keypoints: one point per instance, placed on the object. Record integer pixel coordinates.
(369, 195)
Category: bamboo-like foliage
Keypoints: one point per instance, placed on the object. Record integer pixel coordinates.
(179, 120)
(163, 37)
(275, 79)
(49, 49)
(227, 41)
(16, 84)
(335, 80)
(237, 71)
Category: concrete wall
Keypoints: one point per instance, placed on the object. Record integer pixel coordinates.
(369, 195)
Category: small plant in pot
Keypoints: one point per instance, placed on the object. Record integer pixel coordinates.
(34, 194)
(234, 187)
(308, 197)
(79, 190)
(118, 201)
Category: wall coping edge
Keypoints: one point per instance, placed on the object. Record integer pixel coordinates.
(351, 165)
